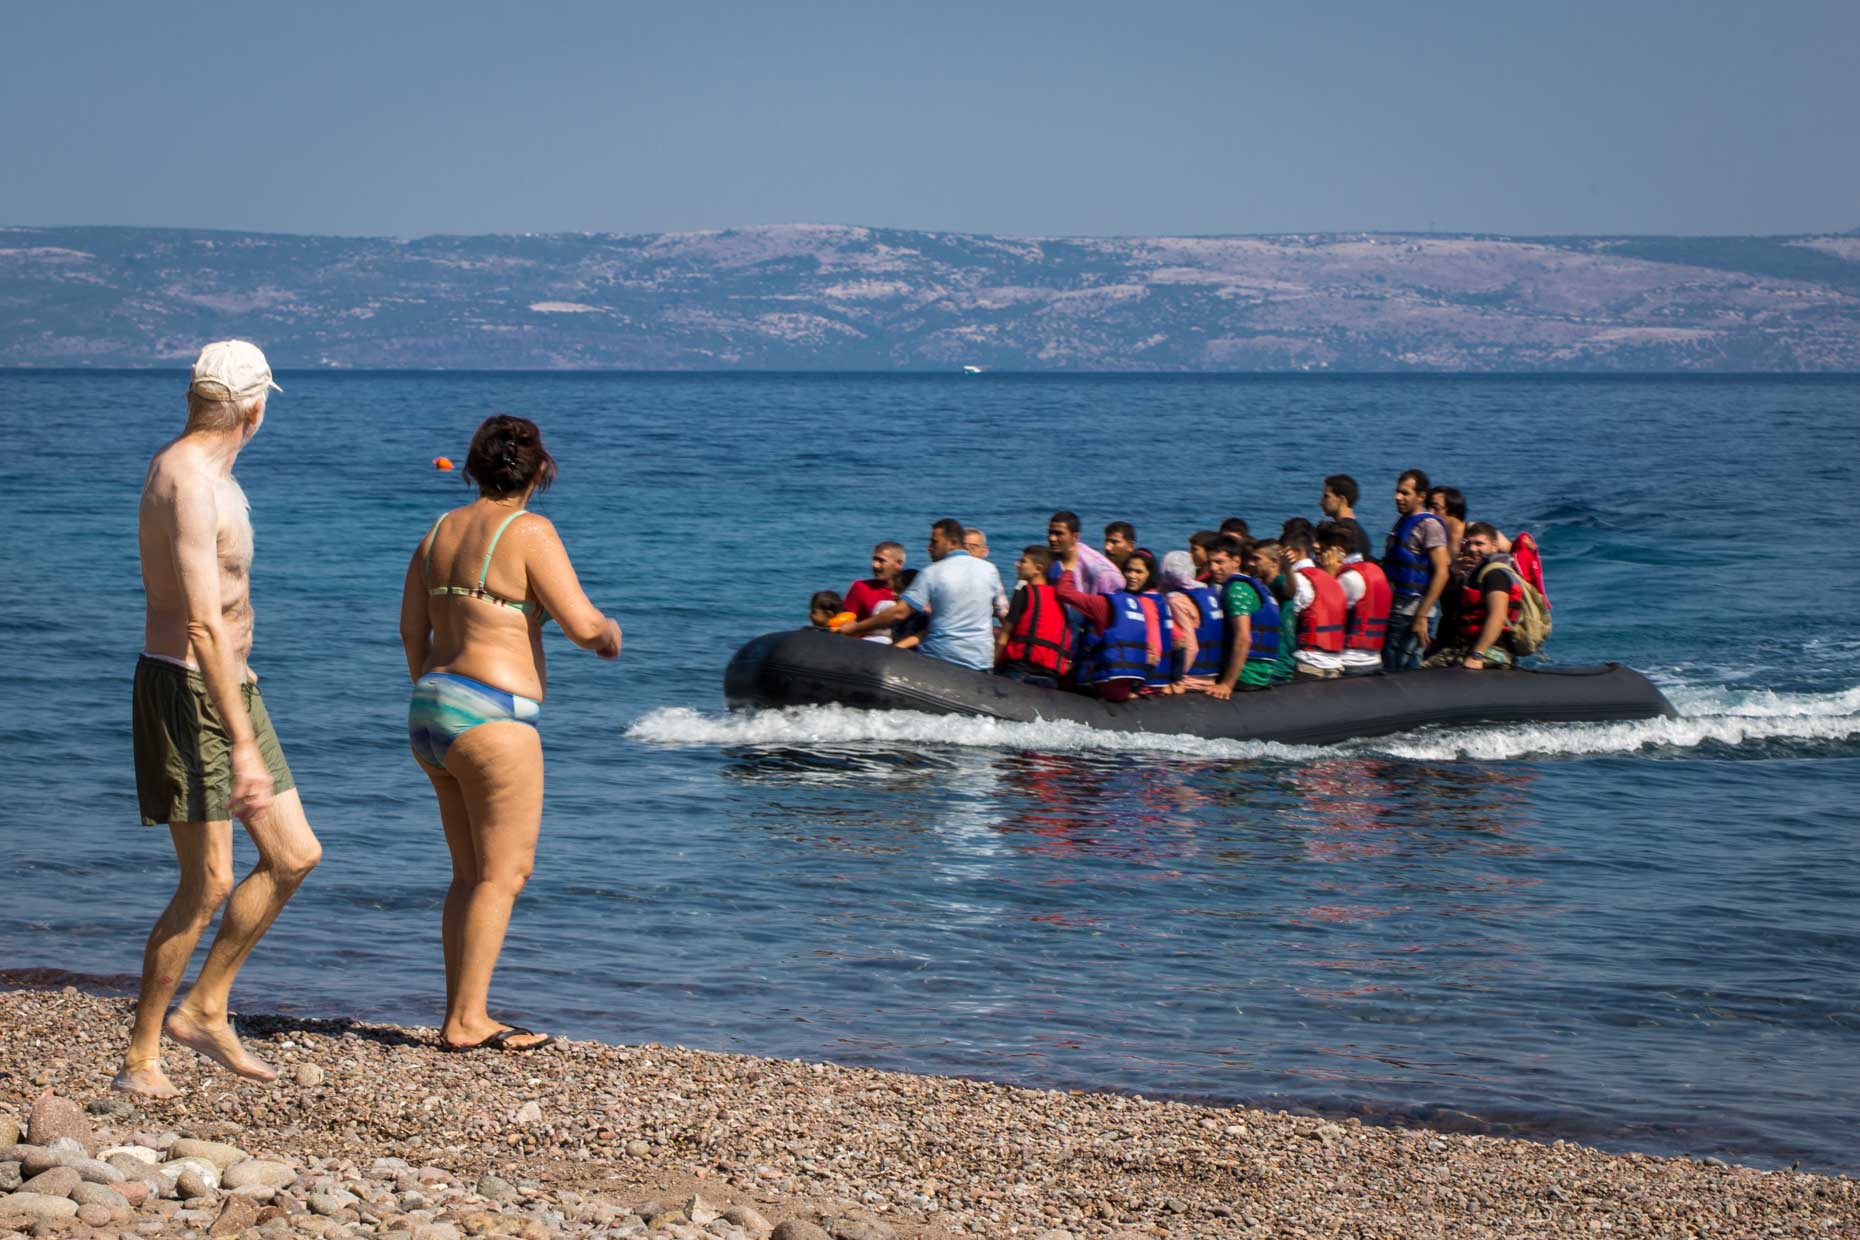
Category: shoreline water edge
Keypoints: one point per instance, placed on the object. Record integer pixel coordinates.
(371, 1130)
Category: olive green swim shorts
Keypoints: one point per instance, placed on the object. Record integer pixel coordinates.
(183, 754)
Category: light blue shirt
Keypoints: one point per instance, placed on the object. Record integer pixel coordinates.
(958, 591)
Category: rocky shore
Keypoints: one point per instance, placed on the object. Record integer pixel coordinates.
(370, 1130)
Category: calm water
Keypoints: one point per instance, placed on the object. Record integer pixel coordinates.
(1639, 935)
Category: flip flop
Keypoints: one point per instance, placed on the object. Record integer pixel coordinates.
(500, 1041)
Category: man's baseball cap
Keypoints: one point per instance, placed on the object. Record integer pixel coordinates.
(231, 370)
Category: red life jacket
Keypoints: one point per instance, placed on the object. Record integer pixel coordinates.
(1320, 626)
(1041, 636)
(1367, 625)
(1472, 601)
(1529, 562)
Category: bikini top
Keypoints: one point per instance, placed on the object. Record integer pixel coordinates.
(478, 591)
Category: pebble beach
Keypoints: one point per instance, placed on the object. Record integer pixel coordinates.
(371, 1130)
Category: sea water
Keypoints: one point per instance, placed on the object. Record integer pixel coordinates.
(1643, 935)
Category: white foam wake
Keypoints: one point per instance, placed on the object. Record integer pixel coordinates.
(1725, 716)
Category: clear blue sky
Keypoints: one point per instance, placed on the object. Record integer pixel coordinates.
(1074, 118)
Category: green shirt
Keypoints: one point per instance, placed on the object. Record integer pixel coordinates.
(1240, 599)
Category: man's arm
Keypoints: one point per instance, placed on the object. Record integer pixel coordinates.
(1242, 630)
(896, 613)
(1436, 586)
(1497, 611)
(197, 569)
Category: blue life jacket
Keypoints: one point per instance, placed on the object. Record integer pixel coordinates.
(1210, 632)
(1122, 651)
(1265, 644)
(1408, 573)
(1163, 673)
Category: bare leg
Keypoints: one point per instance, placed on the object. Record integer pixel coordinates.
(499, 769)
(204, 850)
(287, 851)
(456, 820)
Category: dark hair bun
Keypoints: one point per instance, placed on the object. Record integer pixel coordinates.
(507, 455)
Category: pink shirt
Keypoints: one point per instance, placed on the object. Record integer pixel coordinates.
(1093, 573)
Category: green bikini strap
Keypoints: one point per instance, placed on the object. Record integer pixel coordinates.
(492, 549)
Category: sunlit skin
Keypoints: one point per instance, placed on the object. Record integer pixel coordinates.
(1330, 559)
(1409, 500)
(1117, 548)
(1136, 576)
(887, 565)
(1221, 566)
(1437, 504)
(1334, 505)
(1199, 554)
(1473, 549)
(975, 542)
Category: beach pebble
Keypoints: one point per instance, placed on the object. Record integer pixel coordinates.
(192, 1182)
(54, 1118)
(37, 1206)
(798, 1229)
(309, 1076)
(112, 1107)
(236, 1214)
(497, 1188)
(436, 1231)
(95, 1171)
(56, 1182)
(10, 1178)
(701, 1212)
(93, 1214)
(330, 1202)
(175, 1168)
(135, 1192)
(9, 1131)
(861, 1229)
(257, 1171)
(637, 1148)
(747, 1218)
(530, 1113)
(98, 1194)
(141, 1153)
(220, 1154)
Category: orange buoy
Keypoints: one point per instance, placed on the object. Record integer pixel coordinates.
(442, 462)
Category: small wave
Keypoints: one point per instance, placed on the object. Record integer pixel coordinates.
(1708, 715)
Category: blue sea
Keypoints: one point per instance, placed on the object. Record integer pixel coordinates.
(1644, 936)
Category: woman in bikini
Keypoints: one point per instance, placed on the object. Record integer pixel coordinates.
(478, 589)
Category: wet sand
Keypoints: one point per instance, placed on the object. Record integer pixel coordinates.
(577, 1138)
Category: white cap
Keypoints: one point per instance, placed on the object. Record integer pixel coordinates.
(231, 370)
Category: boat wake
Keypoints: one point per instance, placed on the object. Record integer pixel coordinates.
(1747, 722)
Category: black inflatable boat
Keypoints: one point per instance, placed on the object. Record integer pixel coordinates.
(807, 667)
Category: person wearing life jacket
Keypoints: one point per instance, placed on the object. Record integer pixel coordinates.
(1271, 565)
(1251, 627)
(826, 610)
(1199, 624)
(1318, 610)
(1481, 608)
(1365, 599)
(1035, 641)
(1127, 639)
(1417, 566)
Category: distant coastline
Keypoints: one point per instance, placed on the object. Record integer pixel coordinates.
(805, 298)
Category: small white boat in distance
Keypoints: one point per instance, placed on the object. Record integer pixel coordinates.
(971, 370)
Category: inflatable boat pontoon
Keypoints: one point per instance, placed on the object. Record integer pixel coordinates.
(807, 667)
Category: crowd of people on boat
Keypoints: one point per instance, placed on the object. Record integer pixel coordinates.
(1231, 613)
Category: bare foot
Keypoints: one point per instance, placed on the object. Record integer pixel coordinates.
(217, 1042)
(149, 1082)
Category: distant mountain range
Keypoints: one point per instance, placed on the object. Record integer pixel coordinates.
(810, 297)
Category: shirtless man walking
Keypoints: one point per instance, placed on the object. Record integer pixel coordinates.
(205, 750)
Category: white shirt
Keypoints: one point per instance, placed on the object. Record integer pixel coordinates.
(1303, 595)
